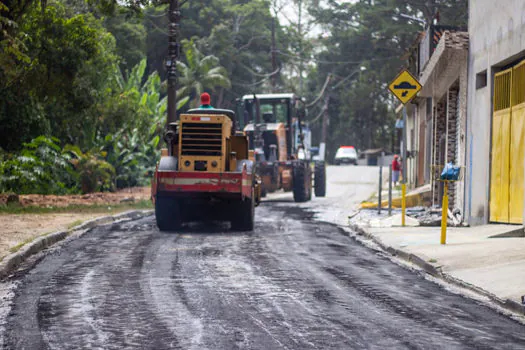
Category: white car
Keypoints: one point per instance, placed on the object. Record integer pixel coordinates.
(346, 155)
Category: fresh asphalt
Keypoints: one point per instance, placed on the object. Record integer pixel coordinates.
(293, 283)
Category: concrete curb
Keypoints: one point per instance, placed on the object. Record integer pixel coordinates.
(12, 261)
(435, 271)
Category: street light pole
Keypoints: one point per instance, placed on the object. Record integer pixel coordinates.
(412, 18)
(360, 69)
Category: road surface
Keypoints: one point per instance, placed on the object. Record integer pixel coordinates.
(294, 283)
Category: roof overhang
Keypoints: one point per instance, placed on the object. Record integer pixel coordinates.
(445, 65)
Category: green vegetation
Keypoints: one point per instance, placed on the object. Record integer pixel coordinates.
(77, 209)
(17, 247)
(74, 223)
(83, 84)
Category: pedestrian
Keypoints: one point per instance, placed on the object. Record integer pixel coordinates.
(205, 101)
(396, 169)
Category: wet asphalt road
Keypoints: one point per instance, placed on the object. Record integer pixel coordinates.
(294, 283)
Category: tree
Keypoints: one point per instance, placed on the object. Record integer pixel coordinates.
(237, 32)
(130, 34)
(371, 34)
(60, 79)
(199, 73)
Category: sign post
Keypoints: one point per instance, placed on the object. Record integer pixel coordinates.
(405, 87)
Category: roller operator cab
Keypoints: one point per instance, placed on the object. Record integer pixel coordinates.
(280, 142)
(205, 173)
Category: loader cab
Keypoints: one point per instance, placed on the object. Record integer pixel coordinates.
(284, 108)
(274, 145)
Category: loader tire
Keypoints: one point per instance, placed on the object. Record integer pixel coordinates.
(244, 218)
(300, 187)
(320, 180)
(167, 214)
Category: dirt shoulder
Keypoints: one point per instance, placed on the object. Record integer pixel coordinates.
(38, 215)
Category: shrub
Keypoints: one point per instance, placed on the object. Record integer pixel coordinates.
(39, 168)
(94, 173)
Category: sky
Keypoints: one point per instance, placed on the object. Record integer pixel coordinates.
(290, 12)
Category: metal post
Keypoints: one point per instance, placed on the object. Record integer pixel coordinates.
(404, 167)
(390, 190)
(444, 214)
(380, 188)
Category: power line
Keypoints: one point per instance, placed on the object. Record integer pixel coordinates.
(253, 84)
(319, 116)
(332, 62)
(259, 74)
(327, 80)
(155, 16)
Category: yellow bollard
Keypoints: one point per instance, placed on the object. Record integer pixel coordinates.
(444, 214)
(403, 203)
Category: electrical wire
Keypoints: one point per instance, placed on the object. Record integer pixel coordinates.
(155, 16)
(251, 85)
(318, 116)
(333, 62)
(259, 74)
(327, 80)
(162, 31)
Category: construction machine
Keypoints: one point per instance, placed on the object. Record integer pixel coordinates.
(281, 144)
(205, 172)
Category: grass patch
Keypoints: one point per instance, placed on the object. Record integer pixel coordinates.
(74, 223)
(26, 241)
(432, 261)
(21, 244)
(77, 209)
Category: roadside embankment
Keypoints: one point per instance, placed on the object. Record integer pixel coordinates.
(37, 216)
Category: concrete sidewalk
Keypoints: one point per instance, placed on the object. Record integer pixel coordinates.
(489, 259)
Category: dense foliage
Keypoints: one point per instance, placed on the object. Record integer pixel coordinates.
(83, 90)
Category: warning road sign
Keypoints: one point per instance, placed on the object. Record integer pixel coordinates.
(405, 86)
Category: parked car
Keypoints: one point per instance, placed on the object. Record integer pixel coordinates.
(346, 155)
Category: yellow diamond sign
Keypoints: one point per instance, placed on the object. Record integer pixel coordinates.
(404, 86)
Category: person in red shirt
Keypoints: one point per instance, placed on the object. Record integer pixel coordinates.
(396, 169)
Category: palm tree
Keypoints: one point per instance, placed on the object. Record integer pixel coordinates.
(200, 73)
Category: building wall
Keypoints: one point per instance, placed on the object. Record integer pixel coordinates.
(462, 136)
(421, 125)
(497, 38)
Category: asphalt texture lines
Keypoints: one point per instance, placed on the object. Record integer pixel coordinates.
(294, 283)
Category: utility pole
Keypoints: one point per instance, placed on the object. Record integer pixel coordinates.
(299, 31)
(324, 131)
(274, 58)
(171, 61)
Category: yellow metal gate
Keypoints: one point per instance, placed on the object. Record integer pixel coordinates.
(508, 151)
(517, 144)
